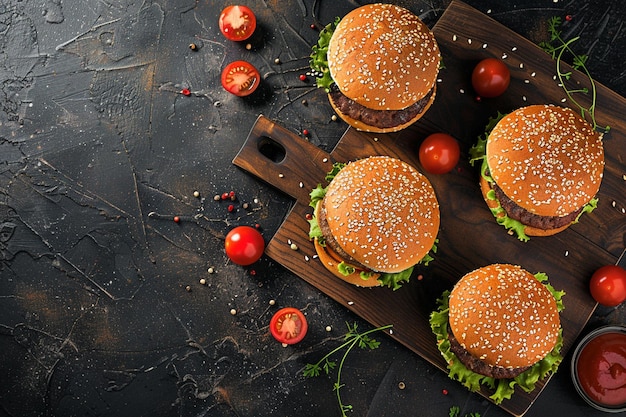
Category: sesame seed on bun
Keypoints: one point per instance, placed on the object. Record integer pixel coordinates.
(502, 315)
(384, 58)
(382, 213)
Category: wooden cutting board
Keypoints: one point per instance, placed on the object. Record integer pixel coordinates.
(468, 237)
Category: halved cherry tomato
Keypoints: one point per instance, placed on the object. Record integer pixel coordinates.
(608, 285)
(237, 23)
(240, 78)
(288, 325)
(491, 77)
(439, 153)
(244, 245)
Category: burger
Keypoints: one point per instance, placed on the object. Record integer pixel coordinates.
(376, 219)
(542, 166)
(500, 327)
(379, 65)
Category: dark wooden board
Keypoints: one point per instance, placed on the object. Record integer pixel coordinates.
(469, 237)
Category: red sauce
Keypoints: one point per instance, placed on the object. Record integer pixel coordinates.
(601, 369)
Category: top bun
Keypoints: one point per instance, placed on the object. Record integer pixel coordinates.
(383, 212)
(383, 57)
(546, 158)
(504, 316)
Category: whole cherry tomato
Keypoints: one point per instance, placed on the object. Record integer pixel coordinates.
(608, 285)
(237, 23)
(288, 325)
(439, 153)
(244, 245)
(240, 78)
(491, 77)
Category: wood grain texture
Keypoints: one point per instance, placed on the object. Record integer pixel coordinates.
(468, 237)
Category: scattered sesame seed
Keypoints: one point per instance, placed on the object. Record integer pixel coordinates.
(325, 160)
(328, 328)
(196, 194)
(233, 311)
(293, 246)
(350, 303)
(484, 45)
(514, 48)
(276, 60)
(272, 302)
(454, 38)
(284, 345)
(211, 270)
(504, 56)
(566, 253)
(401, 385)
(202, 281)
(462, 91)
(281, 175)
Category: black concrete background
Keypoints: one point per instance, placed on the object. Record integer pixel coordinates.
(95, 315)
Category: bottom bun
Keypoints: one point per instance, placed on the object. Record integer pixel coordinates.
(485, 187)
(331, 260)
(359, 125)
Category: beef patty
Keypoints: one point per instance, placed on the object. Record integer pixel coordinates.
(530, 219)
(478, 366)
(332, 243)
(378, 118)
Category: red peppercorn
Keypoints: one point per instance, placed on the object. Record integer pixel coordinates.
(568, 17)
(225, 196)
(257, 226)
(308, 216)
(185, 92)
(252, 272)
(231, 195)
(478, 99)
(302, 77)
(444, 391)
(231, 208)
(305, 132)
(176, 219)
(313, 26)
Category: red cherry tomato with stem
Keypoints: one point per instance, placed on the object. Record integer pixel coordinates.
(244, 245)
(240, 78)
(491, 77)
(237, 23)
(439, 153)
(288, 325)
(608, 285)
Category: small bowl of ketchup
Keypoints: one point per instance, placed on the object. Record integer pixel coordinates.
(599, 368)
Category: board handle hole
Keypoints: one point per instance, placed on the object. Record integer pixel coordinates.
(272, 150)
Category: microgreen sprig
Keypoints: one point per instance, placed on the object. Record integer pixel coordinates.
(455, 411)
(557, 47)
(351, 339)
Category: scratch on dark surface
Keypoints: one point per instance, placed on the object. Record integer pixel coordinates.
(62, 46)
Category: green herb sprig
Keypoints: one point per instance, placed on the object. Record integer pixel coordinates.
(557, 47)
(352, 339)
(455, 411)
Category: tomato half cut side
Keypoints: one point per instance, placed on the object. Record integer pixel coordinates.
(240, 78)
(288, 325)
(237, 23)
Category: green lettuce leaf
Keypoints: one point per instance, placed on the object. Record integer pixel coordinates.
(503, 388)
(319, 56)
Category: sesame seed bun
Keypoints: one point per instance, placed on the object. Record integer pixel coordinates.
(382, 212)
(504, 316)
(546, 159)
(383, 57)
